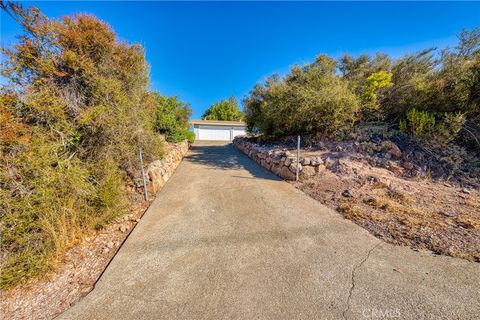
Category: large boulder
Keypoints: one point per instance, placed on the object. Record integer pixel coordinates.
(305, 161)
(265, 164)
(276, 159)
(392, 149)
(308, 171)
(286, 174)
(293, 167)
(316, 161)
(329, 163)
(276, 169)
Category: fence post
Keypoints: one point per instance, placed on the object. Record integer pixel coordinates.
(298, 157)
(145, 191)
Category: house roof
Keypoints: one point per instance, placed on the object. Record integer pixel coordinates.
(220, 123)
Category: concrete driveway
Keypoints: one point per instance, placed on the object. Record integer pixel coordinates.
(226, 239)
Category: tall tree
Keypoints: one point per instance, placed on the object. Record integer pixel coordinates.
(224, 110)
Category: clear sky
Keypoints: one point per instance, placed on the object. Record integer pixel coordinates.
(204, 52)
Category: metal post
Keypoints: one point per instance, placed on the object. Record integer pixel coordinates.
(298, 157)
(145, 191)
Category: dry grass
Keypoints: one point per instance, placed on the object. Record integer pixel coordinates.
(420, 213)
(397, 218)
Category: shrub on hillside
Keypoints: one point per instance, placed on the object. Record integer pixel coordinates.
(172, 118)
(323, 98)
(310, 100)
(424, 126)
(373, 84)
(182, 135)
(449, 128)
(418, 124)
(74, 111)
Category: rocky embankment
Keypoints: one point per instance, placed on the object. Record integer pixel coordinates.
(384, 189)
(46, 297)
(282, 161)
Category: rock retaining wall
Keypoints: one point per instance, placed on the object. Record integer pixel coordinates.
(281, 162)
(159, 171)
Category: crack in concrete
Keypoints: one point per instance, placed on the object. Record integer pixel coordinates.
(352, 286)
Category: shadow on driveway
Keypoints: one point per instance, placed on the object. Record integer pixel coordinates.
(226, 157)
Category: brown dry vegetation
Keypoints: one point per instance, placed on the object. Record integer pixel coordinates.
(420, 212)
(75, 274)
(47, 296)
(75, 108)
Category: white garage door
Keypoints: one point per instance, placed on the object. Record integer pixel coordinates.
(214, 133)
(238, 132)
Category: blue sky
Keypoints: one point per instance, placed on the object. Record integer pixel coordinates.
(204, 52)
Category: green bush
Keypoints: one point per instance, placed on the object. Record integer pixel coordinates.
(424, 126)
(418, 124)
(179, 136)
(374, 84)
(310, 100)
(449, 128)
(190, 136)
(172, 118)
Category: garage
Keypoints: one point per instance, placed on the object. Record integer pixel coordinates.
(216, 130)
